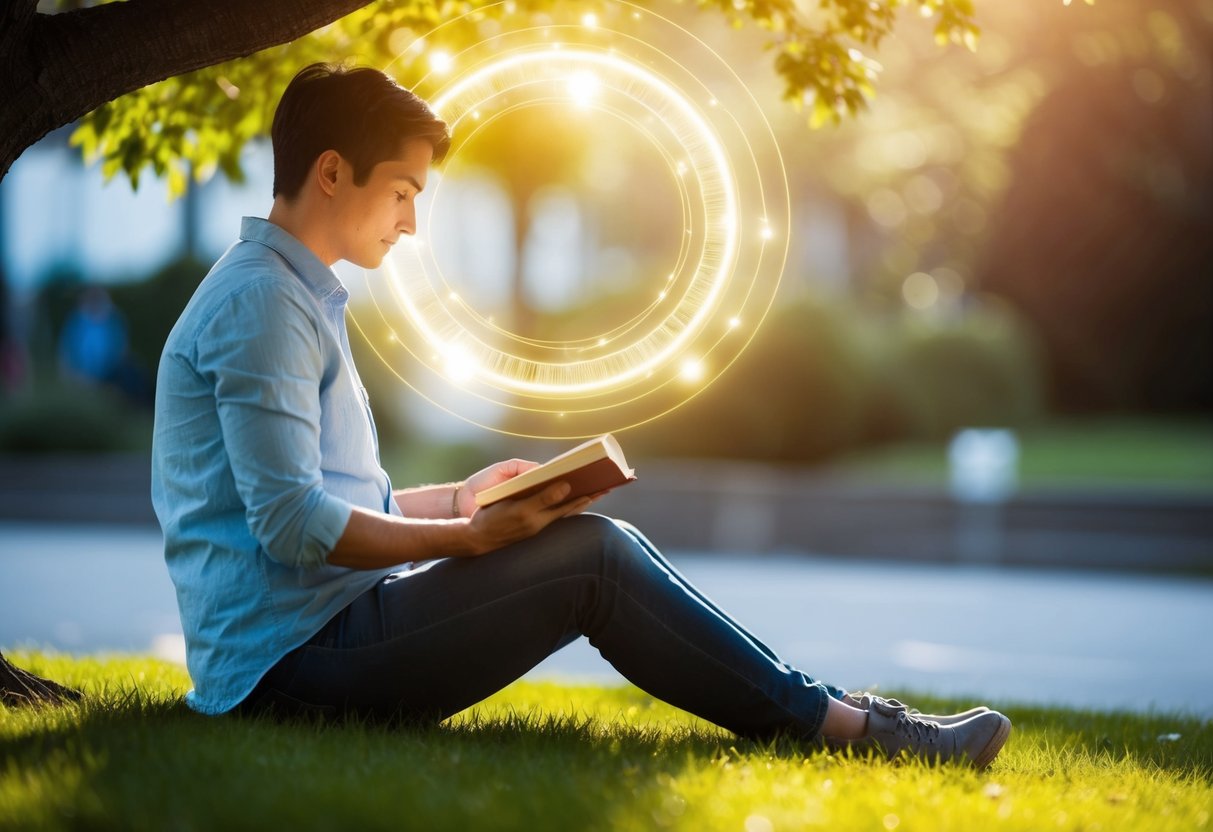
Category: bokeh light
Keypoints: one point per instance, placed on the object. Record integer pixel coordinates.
(920, 290)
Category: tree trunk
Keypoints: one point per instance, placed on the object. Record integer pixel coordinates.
(54, 68)
(522, 316)
(20, 687)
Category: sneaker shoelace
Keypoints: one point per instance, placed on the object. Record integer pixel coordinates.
(919, 731)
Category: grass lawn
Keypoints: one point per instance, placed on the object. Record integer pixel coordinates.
(1166, 455)
(548, 756)
(1171, 455)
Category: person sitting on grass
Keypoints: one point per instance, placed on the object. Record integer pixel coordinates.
(308, 585)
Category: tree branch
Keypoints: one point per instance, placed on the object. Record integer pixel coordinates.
(55, 68)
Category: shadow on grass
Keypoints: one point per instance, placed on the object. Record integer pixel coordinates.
(150, 762)
(154, 761)
(1167, 741)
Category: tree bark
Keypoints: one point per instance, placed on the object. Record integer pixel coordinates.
(54, 68)
(20, 687)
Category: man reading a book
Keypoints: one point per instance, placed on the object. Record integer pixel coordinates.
(307, 584)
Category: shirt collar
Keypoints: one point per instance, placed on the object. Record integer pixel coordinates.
(318, 277)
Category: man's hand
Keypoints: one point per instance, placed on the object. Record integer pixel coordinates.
(495, 474)
(374, 540)
(508, 521)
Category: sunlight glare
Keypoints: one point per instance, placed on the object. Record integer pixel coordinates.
(441, 61)
(692, 370)
(583, 87)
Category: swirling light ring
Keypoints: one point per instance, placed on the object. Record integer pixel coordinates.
(426, 308)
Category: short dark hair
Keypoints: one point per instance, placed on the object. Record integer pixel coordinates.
(359, 112)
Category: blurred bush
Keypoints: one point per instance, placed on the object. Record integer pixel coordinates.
(149, 306)
(72, 419)
(981, 369)
(799, 392)
(822, 378)
(55, 413)
(152, 307)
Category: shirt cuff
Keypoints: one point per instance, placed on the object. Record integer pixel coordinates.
(324, 528)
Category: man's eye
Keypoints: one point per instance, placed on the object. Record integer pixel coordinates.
(401, 197)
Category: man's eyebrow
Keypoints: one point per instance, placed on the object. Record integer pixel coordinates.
(411, 181)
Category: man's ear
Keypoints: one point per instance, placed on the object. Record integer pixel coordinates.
(326, 167)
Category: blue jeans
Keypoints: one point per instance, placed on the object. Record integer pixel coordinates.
(426, 644)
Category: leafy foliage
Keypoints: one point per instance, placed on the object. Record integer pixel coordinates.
(820, 54)
(194, 125)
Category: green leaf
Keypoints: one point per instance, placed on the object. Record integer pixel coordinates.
(177, 181)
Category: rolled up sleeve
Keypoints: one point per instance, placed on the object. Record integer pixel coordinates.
(267, 395)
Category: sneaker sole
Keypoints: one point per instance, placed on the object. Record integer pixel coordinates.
(995, 744)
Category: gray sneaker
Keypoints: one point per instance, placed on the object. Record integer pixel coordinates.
(863, 700)
(894, 732)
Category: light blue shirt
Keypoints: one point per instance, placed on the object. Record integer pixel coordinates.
(263, 442)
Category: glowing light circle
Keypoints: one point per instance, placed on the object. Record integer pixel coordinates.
(421, 300)
(728, 172)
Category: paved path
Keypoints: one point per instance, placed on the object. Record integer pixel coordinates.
(1084, 639)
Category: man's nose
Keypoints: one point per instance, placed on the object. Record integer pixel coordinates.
(407, 223)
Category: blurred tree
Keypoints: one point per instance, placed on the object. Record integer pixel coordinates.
(1066, 168)
(529, 152)
(1105, 236)
(922, 171)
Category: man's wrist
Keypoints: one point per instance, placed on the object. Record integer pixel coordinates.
(456, 513)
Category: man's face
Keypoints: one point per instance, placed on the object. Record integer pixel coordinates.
(370, 218)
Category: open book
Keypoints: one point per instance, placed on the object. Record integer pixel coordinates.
(591, 467)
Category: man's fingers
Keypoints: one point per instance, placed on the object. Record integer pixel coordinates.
(576, 506)
(512, 520)
(554, 494)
